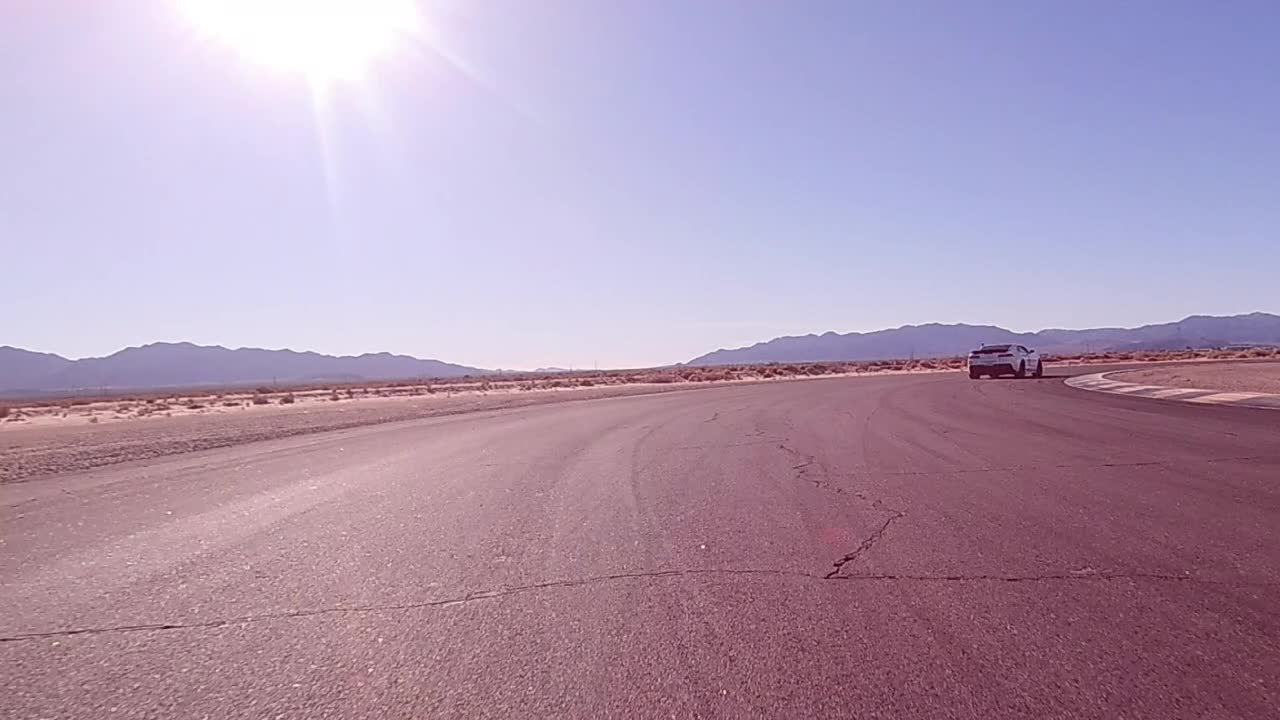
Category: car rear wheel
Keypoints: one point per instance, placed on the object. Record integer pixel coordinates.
(1022, 369)
(974, 374)
(1039, 369)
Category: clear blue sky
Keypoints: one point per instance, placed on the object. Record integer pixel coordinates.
(632, 183)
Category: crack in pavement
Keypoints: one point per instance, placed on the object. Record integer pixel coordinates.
(868, 543)
(748, 443)
(802, 470)
(822, 482)
(868, 472)
(1052, 577)
(446, 602)
(651, 575)
(806, 459)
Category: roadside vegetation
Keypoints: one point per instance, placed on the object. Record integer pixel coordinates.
(232, 399)
(64, 434)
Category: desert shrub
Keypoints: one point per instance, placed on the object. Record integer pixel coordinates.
(351, 394)
(334, 396)
(261, 398)
(928, 365)
(4, 411)
(93, 420)
(287, 399)
(661, 379)
(586, 382)
(193, 405)
(263, 390)
(230, 403)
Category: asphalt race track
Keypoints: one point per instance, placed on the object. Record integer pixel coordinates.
(901, 546)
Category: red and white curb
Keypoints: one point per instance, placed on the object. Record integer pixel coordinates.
(1099, 382)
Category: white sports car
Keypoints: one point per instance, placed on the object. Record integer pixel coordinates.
(997, 360)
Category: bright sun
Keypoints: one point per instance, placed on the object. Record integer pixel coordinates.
(325, 40)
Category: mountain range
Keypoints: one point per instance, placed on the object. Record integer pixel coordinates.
(163, 365)
(935, 340)
(184, 364)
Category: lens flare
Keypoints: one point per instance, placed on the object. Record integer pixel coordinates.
(326, 40)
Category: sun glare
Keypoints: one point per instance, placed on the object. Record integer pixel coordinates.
(325, 40)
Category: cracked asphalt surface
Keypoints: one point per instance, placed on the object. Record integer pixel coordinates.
(902, 546)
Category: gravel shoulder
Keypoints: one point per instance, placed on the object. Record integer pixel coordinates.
(1261, 377)
(53, 440)
(34, 450)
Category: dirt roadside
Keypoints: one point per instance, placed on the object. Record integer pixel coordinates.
(55, 440)
(42, 449)
(1261, 377)
(51, 438)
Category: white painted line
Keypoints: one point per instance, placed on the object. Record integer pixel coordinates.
(1099, 382)
(1174, 393)
(1226, 397)
(1134, 389)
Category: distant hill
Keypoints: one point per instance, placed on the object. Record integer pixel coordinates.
(934, 340)
(23, 368)
(185, 364)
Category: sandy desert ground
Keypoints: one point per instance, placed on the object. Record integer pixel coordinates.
(1263, 377)
(71, 434)
(48, 436)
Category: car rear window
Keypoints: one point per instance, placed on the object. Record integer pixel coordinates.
(993, 349)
